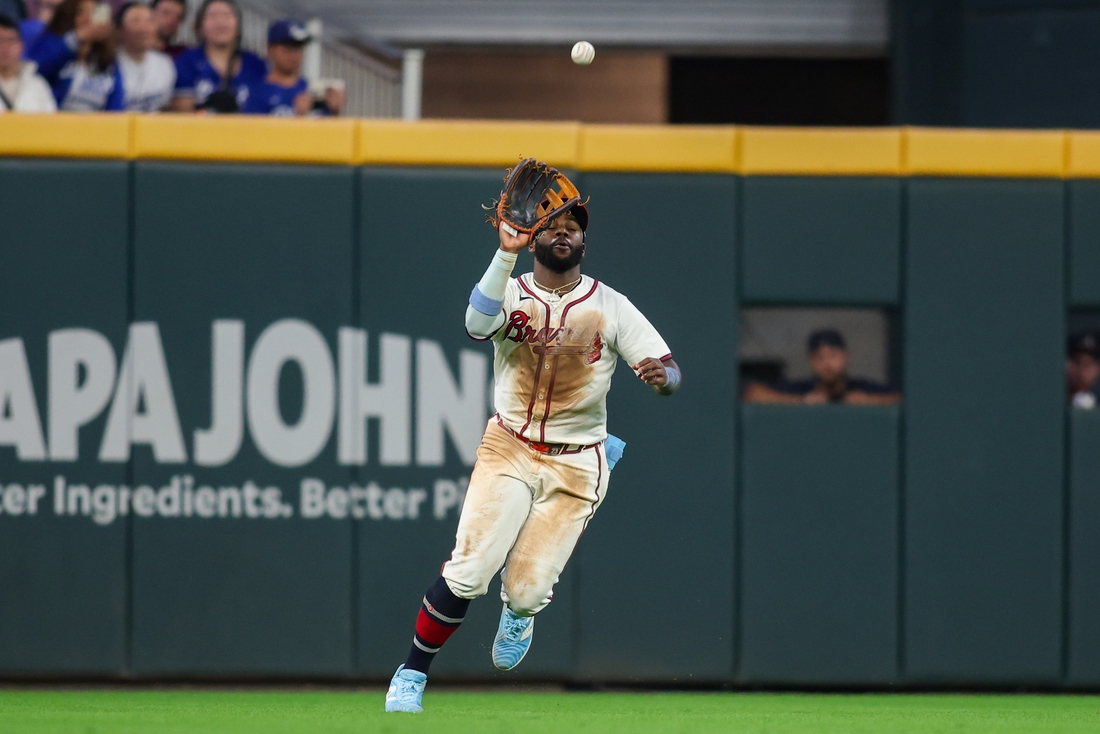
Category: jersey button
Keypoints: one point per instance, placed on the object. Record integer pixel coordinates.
(546, 366)
(542, 395)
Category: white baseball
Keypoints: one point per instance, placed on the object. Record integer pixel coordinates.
(583, 53)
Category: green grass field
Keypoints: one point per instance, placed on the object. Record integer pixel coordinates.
(457, 712)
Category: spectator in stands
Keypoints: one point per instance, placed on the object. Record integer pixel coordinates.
(285, 92)
(168, 15)
(148, 76)
(828, 357)
(1083, 370)
(40, 12)
(76, 55)
(21, 88)
(215, 75)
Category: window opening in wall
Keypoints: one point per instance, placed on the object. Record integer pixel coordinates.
(1083, 360)
(818, 356)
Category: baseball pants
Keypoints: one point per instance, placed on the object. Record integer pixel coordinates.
(524, 510)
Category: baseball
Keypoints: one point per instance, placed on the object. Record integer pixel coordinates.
(583, 53)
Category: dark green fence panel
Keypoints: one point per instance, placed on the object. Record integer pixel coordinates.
(1084, 243)
(352, 298)
(655, 571)
(819, 544)
(226, 595)
(983, 374)
(416, 283)
(1084, 549)
(821, 240)
(63, 259)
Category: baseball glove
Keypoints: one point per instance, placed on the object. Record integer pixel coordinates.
(533, 194)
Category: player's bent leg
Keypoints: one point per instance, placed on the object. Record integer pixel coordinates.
(572, 487)
(496, 505)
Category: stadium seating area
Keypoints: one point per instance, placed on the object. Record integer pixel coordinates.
(94, 57)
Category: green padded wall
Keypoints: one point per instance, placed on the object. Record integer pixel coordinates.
(63, 253)
(821, 240)
(1084, 243)
(416, 281)
(655, 572)
(656, 592)
(1083, 667)
(241, 595)
(819, 544)
(983, 379)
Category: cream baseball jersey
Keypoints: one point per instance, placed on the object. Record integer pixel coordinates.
(554, 358)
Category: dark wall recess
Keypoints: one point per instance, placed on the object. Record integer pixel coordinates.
(778, 91)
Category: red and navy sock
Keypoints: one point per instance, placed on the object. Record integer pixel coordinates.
(440, 614)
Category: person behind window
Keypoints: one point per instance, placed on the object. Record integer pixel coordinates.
(1083, 370)
(828, 358)
(76, 55)
(168, 15)
(285, 92)
(149, 76)
(21, 88)
(215, 75)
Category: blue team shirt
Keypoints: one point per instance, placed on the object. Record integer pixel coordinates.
(93, 89)
(268, 98)
(30, 29)
(196, 77)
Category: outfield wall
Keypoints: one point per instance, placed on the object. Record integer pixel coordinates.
(248, 332)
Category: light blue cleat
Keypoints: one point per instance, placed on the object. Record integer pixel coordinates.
(406, 691)
(513, 639)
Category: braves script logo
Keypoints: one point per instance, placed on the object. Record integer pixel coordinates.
(563, 340)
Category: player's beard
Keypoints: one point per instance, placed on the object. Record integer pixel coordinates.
(544, 253)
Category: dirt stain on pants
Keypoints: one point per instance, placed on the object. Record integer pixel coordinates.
(523, 511)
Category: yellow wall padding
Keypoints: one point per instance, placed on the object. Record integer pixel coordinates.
(651, 148)
(821, 151)
(1003, 153)
(1083, 155)
(466, 143)
(752, 151)
(66, 135)
(238, 138)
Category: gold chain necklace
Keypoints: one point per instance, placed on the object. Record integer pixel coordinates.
(560, 290)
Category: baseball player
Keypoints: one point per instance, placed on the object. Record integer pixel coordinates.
(543, 465)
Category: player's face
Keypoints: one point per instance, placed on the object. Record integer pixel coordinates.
(829, 363)
(219, 24)
(560, 247)
(286, 59)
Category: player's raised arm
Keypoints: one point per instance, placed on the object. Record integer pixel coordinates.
(533, 195)
(485, 313)
(662, 375)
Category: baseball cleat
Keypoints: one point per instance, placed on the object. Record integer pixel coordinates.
(513, 639)
(406, 691)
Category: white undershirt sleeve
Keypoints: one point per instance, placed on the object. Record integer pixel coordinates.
(482, 326)
(489, 295)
